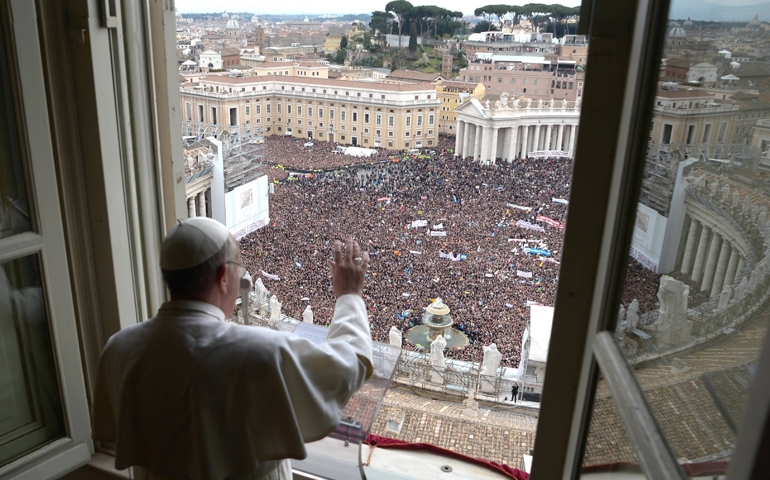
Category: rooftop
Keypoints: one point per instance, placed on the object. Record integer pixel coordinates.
(414, 75)
(411, 87)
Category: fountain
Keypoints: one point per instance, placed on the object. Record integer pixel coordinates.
(436, 322)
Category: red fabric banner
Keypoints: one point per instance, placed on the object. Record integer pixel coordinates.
(385, 442)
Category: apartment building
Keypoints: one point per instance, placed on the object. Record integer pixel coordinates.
(695, 117)
(368, 114)
(531, 76)
(452, 94)
(332, 43)
(292, 69)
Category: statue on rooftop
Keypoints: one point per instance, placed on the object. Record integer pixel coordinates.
(724, 298)
(307, 315)
(437, 352)
(261, 291)
(486, 104)
(275, 309)
(632, 315)
(540, 103)
(714, 186)
(577, 104)
(504, 100)
(516, 104)
(395, 336)
(740, 291)
(726, 193)
(746, 205)
(619, 327)
(552, 103)
(736, 198)
(529, 103)
(564, 104)
(491, 362)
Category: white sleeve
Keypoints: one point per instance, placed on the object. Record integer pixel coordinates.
(350, 324)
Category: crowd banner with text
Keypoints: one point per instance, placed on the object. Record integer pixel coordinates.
(419, 223)
(519, 273)
(437, 234)
(560, 200)
(526, 209)
(549, 221)
(549, 154)
(529, 226)
(536, 251)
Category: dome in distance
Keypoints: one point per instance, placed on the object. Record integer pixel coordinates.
(688, 22)
(678, 32)
(225, 15)
(233, 24)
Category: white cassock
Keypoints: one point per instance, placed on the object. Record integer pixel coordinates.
(187, 395)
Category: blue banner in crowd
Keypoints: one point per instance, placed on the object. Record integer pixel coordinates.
(536, 251)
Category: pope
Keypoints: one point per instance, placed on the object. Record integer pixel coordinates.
(187, 395)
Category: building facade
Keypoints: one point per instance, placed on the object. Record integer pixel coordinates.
(367, 114)
(453, 94)
(513, 129)
(531, 76)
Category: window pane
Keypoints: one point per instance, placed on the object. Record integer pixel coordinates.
(693, 314)
(30, 406)
(14, 210)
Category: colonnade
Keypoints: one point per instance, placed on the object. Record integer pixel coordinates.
(490, 142)
(709, 257)
(196, 205)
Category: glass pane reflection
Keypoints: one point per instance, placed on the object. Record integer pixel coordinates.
(694, 311)
(30, 406)
(14, 209)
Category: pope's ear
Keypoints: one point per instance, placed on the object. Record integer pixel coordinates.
(221, 277)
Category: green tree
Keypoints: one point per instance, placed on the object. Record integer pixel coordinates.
(380, 24)
(344, 43)
(340, 57)
(413, 38)
(401, 9)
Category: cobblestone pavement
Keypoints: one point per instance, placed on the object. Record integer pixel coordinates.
(493, 435)
(686, 411)
(688, 414)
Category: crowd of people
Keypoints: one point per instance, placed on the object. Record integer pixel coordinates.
(291, 152)
(486, 247)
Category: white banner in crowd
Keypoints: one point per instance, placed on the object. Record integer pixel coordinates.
(530, 303)
(271, 277)
(526, 209)
(549, 154)
(438, 234)
(414, 252)
(451, 256)
(560, 200)
(440, 226)
(529, 226)
(419, 223)
(519, 273)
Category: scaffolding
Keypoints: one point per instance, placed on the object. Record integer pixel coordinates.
(663, 161)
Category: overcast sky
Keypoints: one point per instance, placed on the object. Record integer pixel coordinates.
(328, 6)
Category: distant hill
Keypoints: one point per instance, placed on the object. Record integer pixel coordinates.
(700, 10)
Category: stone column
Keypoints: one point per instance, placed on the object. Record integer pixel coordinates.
(719, 276)
(477, 141)
(689, 248)
(711, 263)
(560, 137)
(202, 204)
(741, 266)
(700, 256)
(493, 146)
(732, 267)
(536, 139)
(524, 140)
(458, 137)
(191, 207)
(572, 136)
(512, 141)
(547, 144)
(467, 147)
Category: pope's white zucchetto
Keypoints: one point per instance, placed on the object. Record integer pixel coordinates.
(192, 242)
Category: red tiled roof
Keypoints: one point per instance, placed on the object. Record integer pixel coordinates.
(414, 75)
(323, 82)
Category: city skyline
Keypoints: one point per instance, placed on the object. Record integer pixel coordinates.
(309, 7)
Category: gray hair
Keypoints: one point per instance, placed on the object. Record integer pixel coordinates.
(194, 281)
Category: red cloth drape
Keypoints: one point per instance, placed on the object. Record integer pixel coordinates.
(385, 442)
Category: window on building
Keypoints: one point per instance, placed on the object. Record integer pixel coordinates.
(299, 110)
(419, 120)
(248, 110)
(320, 113)
(343, 115)
(355, 116)
(408, 121)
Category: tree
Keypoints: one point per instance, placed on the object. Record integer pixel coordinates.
(413, 38)
(380, 23)
(483, 26)
(344, 43)
(400, 9)
(340, 57)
